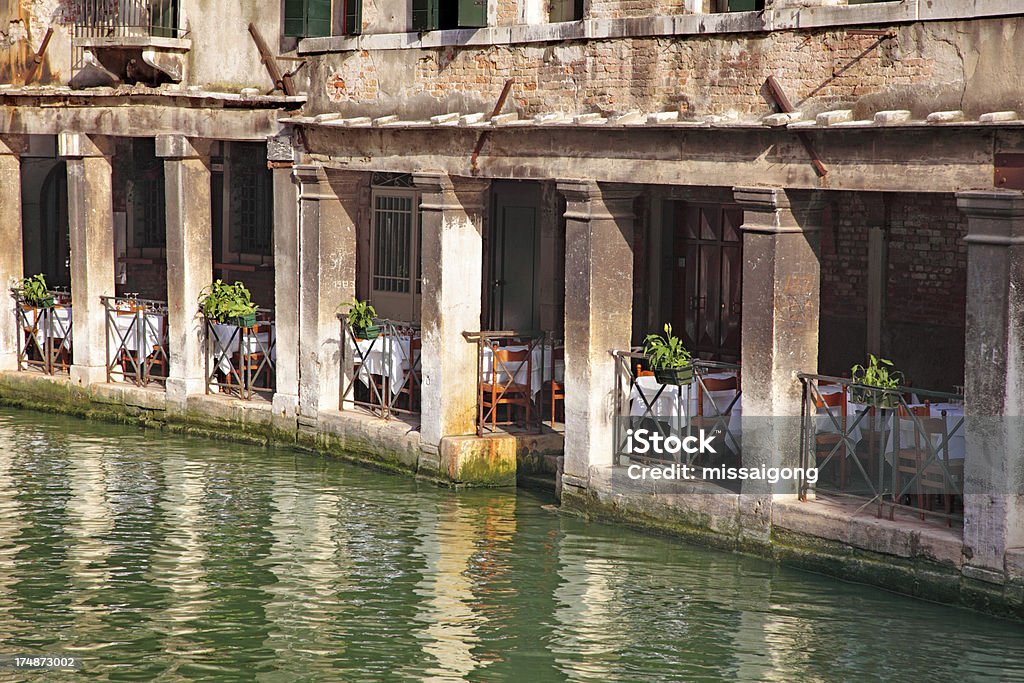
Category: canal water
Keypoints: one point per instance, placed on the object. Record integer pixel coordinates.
(161, 557)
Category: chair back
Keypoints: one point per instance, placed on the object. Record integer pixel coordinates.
(640, 372)
(714, 384)
(507, 363)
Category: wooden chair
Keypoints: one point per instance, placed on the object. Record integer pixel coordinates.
(911, 458)
(411, 389)
(640, 372)
(553, 389)
(825, 444)
(712, 384)
(495, 391)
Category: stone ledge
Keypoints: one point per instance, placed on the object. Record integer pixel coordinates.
(683, 25)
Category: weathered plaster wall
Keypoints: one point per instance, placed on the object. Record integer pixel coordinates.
(925, 67)
(23, 24)
(223, 55)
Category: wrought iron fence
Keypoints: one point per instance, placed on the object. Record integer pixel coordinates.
(380, 371)
(136, 340)
(44, 334)
(120, 18)
(711, 402)
(510, 373)
(240, 358)
(899, 447)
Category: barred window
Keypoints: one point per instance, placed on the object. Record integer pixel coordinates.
(393, 247)
(252, 212)
(149, 217)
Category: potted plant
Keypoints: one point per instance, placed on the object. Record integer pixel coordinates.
(360, 318)
(33, 291)
(231, 304)
(878, 375)
(668, 357)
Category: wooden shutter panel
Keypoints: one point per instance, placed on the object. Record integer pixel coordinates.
(294, 17)
(318, 18)
(424, 15)
(745, 5)
(353, 17)
(472, 13)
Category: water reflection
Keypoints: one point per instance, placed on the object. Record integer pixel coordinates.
(162, 558)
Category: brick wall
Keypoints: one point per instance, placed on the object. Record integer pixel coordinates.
(919, 68)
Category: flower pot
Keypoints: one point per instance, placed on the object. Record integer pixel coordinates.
(247, 320)
(676, 376)
(368, 332)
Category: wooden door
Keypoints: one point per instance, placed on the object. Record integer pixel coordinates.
(515, 257)
(707, 280)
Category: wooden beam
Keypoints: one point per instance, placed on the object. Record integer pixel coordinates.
(37, 58)
(483, 135)
(786, 107)
(283, 82)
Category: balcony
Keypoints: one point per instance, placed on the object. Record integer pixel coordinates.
(134, 42)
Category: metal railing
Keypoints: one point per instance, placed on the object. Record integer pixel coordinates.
(125, 18)
(898, 447)
(44, 334)
(381, 373)
(240, 359)
(510, 371)
(136, 340)
(693, 407)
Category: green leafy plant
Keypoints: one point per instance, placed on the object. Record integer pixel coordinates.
(33, 290)
(879, 373)
(361, 314)
(223, 302)
(666, 352)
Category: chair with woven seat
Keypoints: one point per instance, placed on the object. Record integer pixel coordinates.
(499, 387)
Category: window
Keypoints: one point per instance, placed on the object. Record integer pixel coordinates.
(429, 15)
(565, 10)
(740, 5)
(252, 192)
(307, 18)
(395, 277)
(149, 218)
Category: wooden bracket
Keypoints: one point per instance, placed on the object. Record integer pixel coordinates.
(474, 169)
(784, 105)
(37, 58)
(281, 81)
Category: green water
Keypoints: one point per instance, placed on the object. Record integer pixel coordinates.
(158, 557)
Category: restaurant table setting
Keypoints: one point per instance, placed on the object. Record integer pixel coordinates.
(542, 354)
(384, 356)
(650, 398)
(228, 339)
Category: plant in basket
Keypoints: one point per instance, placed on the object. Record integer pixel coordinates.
(228, 303)
(877, 381)
(669, 359)
(33, 291)
(361, 315)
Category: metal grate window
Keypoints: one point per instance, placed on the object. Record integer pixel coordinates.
(392, 225)
(251, 200)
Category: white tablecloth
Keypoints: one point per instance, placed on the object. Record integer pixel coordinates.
(128, 327)
(681, 402)
(229, 338)
(552, 369)
(385, 357)
(57, 324)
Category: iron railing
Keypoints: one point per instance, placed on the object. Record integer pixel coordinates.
(136, 340)
(126, 18)
(700, 405)
(240, 359)
(44, 334)
(898, 447)
(509, 372)
(381, 374)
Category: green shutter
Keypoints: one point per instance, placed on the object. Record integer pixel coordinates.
(353, 17)
(472, 13)
(745, 5)
(424, 15)
(318, 18)
(294, 18)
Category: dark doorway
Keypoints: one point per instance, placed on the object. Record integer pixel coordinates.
(707, 280)
(515, 257)
(51, 245)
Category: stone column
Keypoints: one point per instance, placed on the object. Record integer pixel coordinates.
(452, 257)
(994, 381)
(599, 235)
(90, 221)
(189, 260)
(328, 206)
(11, 268)
(286, 284)
(781, 273)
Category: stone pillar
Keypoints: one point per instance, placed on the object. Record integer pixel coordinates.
(286, 285)
(994, 381)
(781, 273)
(452, 257)
(11, 268)
(599, 235)
(90, 221)
(328, 206)
(189, 260)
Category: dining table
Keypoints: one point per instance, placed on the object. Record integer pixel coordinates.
(544, 365)
(231, 339)
(650, 398)
(388, 356)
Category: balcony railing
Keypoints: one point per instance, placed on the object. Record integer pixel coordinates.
(44, 334)
(240, 359)
(711, 402)
(136, 340)
(899, 447)
(126, 18)
(380, 371)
